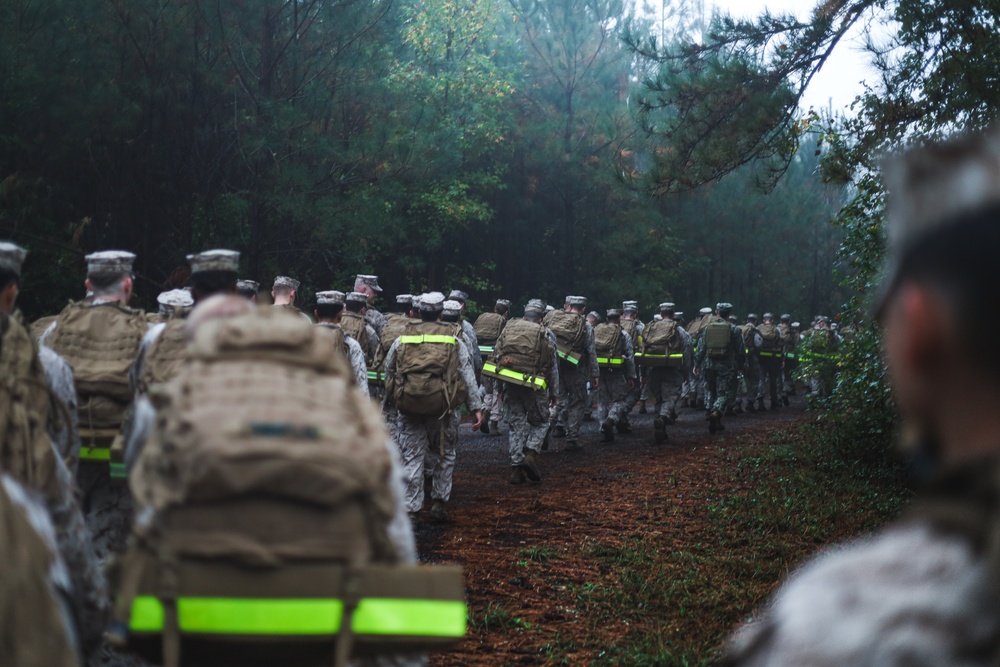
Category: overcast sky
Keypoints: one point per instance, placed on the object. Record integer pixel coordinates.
(839, 80)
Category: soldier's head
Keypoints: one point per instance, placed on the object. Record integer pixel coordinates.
(431, 306)
(679, 316)
(11, 258)
(368, 285)
(593, 317)
(329, 306)
(109, 275)
(667, 310)
(213, 272)
(630, 310)
(283, 291)
(534, 311)
(404, 303)
(822, 322)
(248, 289)
(459, 296)
(786, 320)
(614, 316)
(451, 311)
(768, 318)
(502, 307)
(752, 318)
(174, 302)
(577, 304)
(356, 302)
(724, 309)
(943, 224)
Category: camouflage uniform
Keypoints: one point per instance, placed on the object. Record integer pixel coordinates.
(719, 372)
(415, 434)
(751, 371)
(790, 340)
(375, 319)
(573, 383)
(65, 435)
(613, 388)
(666, 383)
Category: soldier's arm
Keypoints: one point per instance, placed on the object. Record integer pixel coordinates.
(135, 370)
(357, 358)
(553, 378)
(474, 401)
(593, 370)
(374, 342)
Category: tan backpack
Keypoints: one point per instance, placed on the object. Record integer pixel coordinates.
(164, 357)
(100, 342)
(770, 337)
(355, 326)
(523, 355)
(609, 340)
(395, 325)
(25, 449)
(631, 327)
(266, 485)
(570, 330)
(717, 337)
(427, 381)
(488, 327)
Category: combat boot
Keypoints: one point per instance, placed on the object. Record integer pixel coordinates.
(751, 408)
(623, 426)
(642, 407)
(517, 475)
(608, 431)
(438, 512)
(714, 421)
(739, 408)
(784, 400)
(774, 404)
(558, 431)
(760, 405)
(485, 427)
(530, 466)
(730, 412)
(659, 430)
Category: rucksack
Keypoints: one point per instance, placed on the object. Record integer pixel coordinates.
(570, 330)
(525, 350)
(26, 452)
(266, 490)
(717, 336)
(770, 336)
(100, 342)
(355, 326)
(609, 340)
(748, 330)
(662, 338)
(395, 324)
(427, 381)
(631, 327)
(165, 355)
(488, 327)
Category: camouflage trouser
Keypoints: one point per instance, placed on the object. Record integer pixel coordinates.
(770, 377)
(752, 378)
(573, 399)
(665, 385)
(491, 401)
(634, 394)
(788, 384)
(415, 437)
(719, 381)
(611, 393)
(700, 391)
(107, 509)
(528, 418)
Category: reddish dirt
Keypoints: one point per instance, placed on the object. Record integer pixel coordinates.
(605, 494)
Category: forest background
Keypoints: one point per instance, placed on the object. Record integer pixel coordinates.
(499, 146)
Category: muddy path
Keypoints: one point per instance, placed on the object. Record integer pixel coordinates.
(528, 550)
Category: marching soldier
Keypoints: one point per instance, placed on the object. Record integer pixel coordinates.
(719, 355)
(617, 367)
(368, 285)
(283, 293)
(329, 309)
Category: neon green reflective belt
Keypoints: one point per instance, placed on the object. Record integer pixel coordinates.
(514, 375)
(283, 616)
(95, 453)
(486, 349)
(610, 361)
(118, 471)
(567, 357)
(791, 355)
(770, 354)
(426, 338)
(646, 355)
(376, 376)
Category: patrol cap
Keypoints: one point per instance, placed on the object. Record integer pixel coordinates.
(430, 302)
(667, 305)
(357, 297)
(405, 299)
(284, 282)
(596, 315)
(535, 305)
(768, 316)
(705, 311)
(248, 285)
(415, 304)
(173, 300)
(785, 317)
(614, 312)
(458, 295)
(630, 306)
(678, 314)
(330, 298)
(370, 280)
(504, 302)
(215, 260)
(109, 262)
(732, 318)
(452, 307)
(11, 256)
(752, 316)
(795, 325)
(933, 187)
(576, 300)
(723, 305)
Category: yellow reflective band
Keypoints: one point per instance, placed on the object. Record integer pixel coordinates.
(95, 453)
(514, 375)
(280, 616)
(610, 361)
(567, 357)
(426, 338)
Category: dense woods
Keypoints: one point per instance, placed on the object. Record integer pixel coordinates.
(497, 145)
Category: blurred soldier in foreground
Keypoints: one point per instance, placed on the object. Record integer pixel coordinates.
(923, 591)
